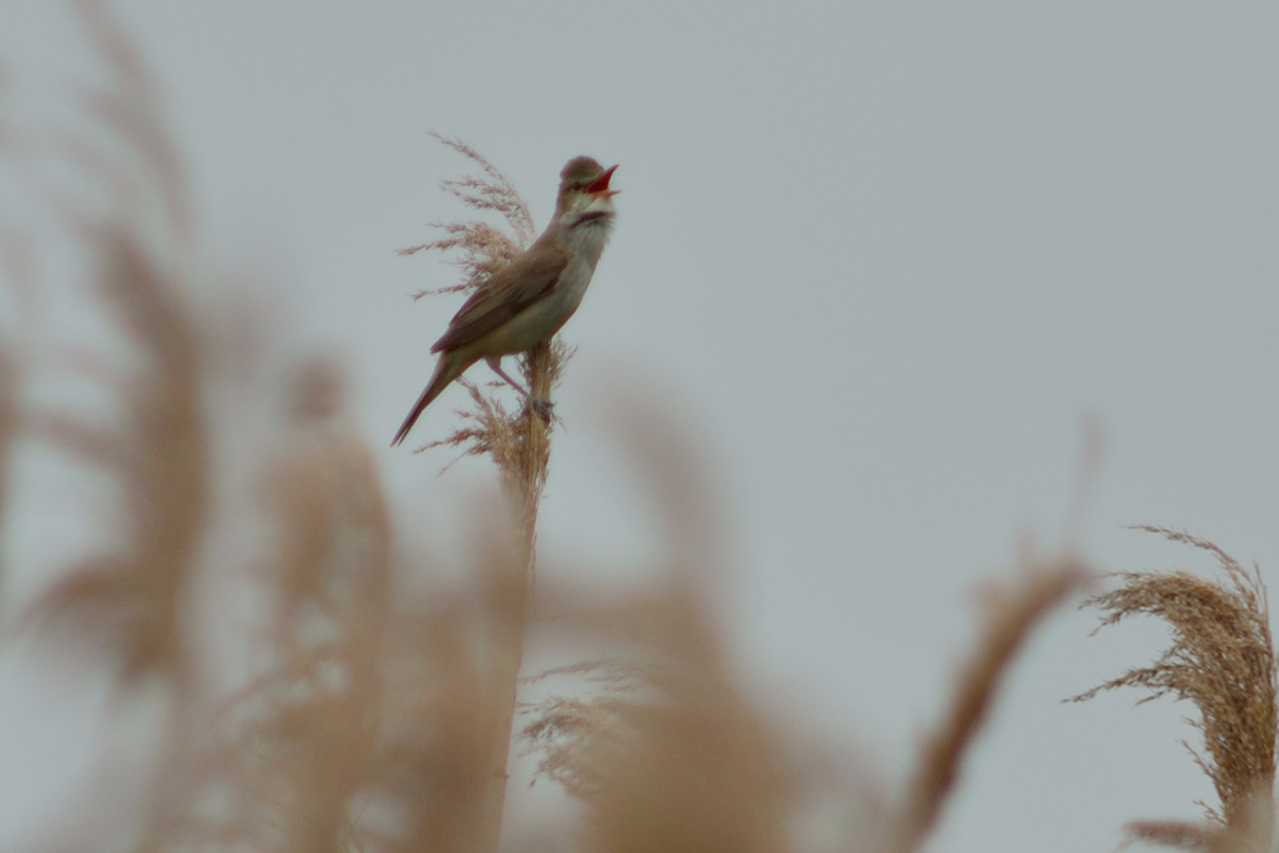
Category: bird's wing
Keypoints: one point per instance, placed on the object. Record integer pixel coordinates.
(507, 292)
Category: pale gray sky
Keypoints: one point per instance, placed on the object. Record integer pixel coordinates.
(886, 257)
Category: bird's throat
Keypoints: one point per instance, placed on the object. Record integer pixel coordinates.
(592, 216)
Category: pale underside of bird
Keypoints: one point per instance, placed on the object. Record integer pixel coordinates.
(527, 301)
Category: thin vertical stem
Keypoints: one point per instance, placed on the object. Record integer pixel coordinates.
(517, 591)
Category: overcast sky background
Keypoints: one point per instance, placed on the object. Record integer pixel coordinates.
(883, 259)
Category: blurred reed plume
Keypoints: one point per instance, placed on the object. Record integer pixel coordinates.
(673, 756)
(159, 451)
(1222, 660)
(1013, 610)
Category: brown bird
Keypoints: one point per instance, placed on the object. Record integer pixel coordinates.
(527, 301)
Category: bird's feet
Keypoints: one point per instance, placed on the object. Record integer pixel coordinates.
(544, 408)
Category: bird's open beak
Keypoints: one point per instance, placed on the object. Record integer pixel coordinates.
(601, 183)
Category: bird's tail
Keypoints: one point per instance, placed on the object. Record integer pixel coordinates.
(447, 369)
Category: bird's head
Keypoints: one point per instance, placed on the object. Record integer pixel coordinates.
(585, 198)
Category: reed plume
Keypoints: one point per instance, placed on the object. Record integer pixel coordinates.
(160, 450)
(1221, 660)
(1012, 611)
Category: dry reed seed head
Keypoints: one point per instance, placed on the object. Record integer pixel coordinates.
(488, 429)
(1171, 833)
(160, 455)
(309, 727)
(1221, 659)
(1011, 612)
(673, 756)
(691, 766)
(686, 774)
(480, 244)
(307, 761)
(446, 690)
(332, 528)
(435, 754)
(332, 557)
(494, 191)
(677, 474)
(289, 779)
(304, 495)
(132, 113)
(317, 391)
(170, 480)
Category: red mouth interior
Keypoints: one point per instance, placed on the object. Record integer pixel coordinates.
(601, 183)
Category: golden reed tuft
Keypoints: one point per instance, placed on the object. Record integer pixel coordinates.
(1222, 660)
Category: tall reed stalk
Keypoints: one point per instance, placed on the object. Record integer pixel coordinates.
(520, 445)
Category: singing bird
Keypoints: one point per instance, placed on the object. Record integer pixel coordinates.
(527, 301)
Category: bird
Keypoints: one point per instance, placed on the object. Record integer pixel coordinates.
(526, 302)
